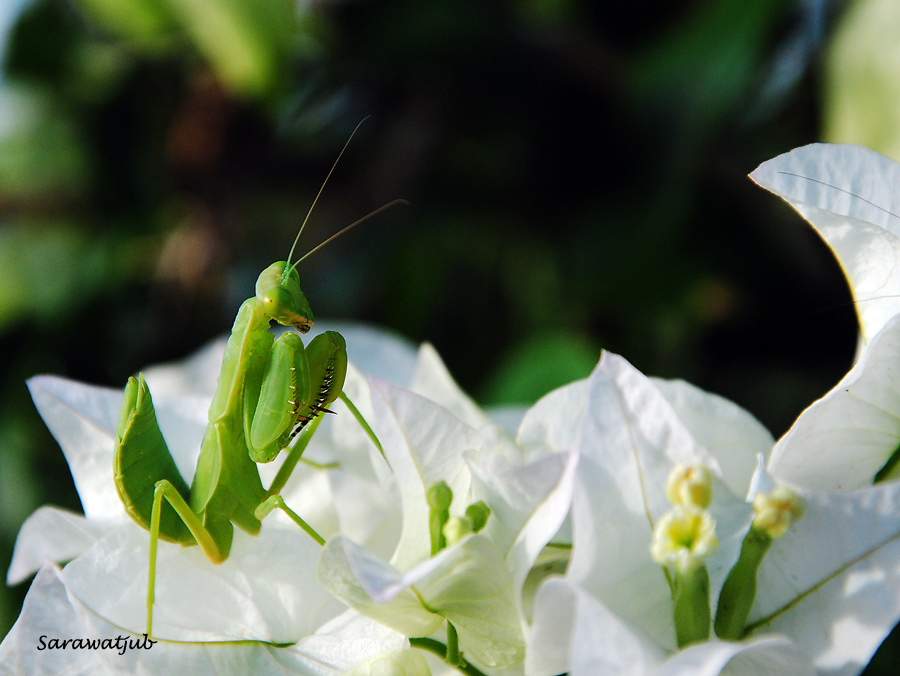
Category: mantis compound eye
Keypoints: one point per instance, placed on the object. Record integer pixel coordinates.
(282, 299)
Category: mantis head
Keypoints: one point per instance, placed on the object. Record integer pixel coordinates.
(281, 298)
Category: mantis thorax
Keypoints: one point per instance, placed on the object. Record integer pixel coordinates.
(281, 299)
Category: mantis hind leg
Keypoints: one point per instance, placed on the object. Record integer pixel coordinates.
(216, 552)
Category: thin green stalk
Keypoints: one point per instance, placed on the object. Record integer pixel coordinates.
(454, 659)
(439, 649)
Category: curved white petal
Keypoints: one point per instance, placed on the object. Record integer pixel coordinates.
(528, 505)
(574, 632)
(832, 583)
(432, 380)
(553, 423)
(468, 584)
(51, 611)
(851, 196)
(725, 429)
(766, 656)
(347, 640)
(395, 663)
(83, 418)
(52, 534)
(843, 439)
(423, 443)
(265, 591)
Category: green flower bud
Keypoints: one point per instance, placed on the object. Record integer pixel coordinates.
(478, 513)
(439, 497)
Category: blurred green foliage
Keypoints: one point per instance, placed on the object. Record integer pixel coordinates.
(577, 179)
(863, 87)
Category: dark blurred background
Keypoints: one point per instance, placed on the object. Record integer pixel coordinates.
(576, 174)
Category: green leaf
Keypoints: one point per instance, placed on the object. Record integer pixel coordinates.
(862, 77)
(143, 21)
(243, 41)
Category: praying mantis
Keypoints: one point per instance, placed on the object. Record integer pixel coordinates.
(269, 390)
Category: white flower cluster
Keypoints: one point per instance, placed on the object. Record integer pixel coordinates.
(558, 542)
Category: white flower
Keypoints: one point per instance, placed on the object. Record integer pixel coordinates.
(265, 594)
(814, 610)
(851, 196)
(475, 583)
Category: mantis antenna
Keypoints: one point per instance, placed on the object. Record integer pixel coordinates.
(288, 267)
(349, 227)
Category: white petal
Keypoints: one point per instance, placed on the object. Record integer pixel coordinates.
(266, 589)
(46, 613)
(83, 420)
(767, 656)
(528, 504)
(52, 534)
(467, 583)
(366, 513)
(832, 583)
(842, 440)
(196, 375)
(432, 380)
(50, 611)
(374, 588)
(553, 423)
(726, 430)
(348, 640)
(396, 663)
(574, 632)
(631, 439)
(851, 195)
(423, 443)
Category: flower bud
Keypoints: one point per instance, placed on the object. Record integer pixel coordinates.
(776, 511)
(684, 537)
(456, 528)
(478, 513)
(690, 486)
(439, 497)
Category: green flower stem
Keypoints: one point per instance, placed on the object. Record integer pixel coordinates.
(439, 649)
(739, 590)
(691, 598)
(453, 657)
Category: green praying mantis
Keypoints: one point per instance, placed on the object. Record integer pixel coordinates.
(269, 390)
